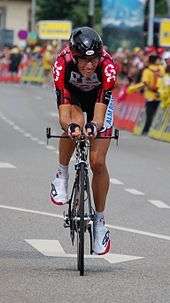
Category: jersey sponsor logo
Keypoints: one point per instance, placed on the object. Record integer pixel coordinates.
(110, 72)
(109, 115)
(56, 70)
(83, 83)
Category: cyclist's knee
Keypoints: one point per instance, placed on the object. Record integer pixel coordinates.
(97, 165)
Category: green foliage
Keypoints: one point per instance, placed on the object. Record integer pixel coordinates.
(161, 8)
(75, 11)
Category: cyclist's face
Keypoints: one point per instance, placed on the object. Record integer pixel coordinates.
(87, 66)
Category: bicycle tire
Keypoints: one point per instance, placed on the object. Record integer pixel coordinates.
(80, 231)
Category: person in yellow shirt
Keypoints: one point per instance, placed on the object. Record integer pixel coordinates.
(150, 78)
(47, 60)
(164, 87)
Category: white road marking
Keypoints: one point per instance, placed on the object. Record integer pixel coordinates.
(6, 165)
(31, 211)
(134, 192)
(140, 232)
(20, 130)
(41, 142)
(136, 231)
(53, 114)
(38, 98)
(53, 248)
(116, 181)
(10, 122)
(50, 248)
(26, 134)
(50, 147)
(16, 127)
(159, 204)
(34, 139)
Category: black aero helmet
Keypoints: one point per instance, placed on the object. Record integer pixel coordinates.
(84, 41)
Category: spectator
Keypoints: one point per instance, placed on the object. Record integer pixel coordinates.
(47, 60)
(14, 60)
(150, 77)
(164, 87)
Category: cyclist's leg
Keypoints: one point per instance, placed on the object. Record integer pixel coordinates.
(59, 186)
(99, 148)
(66, 146)
(100, 180)
(100, 186)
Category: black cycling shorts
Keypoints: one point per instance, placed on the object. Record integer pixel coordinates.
(87, 105)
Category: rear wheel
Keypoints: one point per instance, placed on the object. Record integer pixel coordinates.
(80, 229)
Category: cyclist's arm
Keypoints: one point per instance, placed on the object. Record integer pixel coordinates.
(65, 116)
(108, 82)
(99, 114)
(62, 93)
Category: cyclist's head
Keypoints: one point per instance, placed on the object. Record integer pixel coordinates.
(85, 42)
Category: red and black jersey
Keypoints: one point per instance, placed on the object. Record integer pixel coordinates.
(69, 81)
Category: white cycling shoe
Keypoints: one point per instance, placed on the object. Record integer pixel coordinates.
(102, 242)
(59, 190)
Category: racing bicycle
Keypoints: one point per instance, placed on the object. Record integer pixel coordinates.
(79, 217)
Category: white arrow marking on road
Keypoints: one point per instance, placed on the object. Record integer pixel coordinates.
(134, 192)
(159, 204)
(6, 165)
(53, 248)
(116, 181)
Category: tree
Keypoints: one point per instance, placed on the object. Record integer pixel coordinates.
(161, 11)
(76, 11)
(161, 8)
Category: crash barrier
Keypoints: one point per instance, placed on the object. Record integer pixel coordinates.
(34, 73)
(139, 126)
(128, 110)
(160, 128)
(130, 115)
(6, 76)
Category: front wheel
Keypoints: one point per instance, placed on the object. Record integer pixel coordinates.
(80, 229)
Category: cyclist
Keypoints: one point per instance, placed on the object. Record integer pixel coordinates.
(84, 76)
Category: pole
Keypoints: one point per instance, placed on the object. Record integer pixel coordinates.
(168, 5)
(33, 11)
(91, 13)
(151, 22)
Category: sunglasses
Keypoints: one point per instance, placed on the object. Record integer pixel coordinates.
(86, 59)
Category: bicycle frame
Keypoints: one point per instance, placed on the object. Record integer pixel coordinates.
(81, 152)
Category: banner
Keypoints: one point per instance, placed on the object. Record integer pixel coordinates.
(54, 30)
(164, 35)
(122, 22)
(128, 111)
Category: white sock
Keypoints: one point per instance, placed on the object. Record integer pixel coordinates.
(99, 218)
(62, 171)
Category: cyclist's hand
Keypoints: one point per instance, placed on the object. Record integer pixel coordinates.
(74, 130)
(90, 129)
